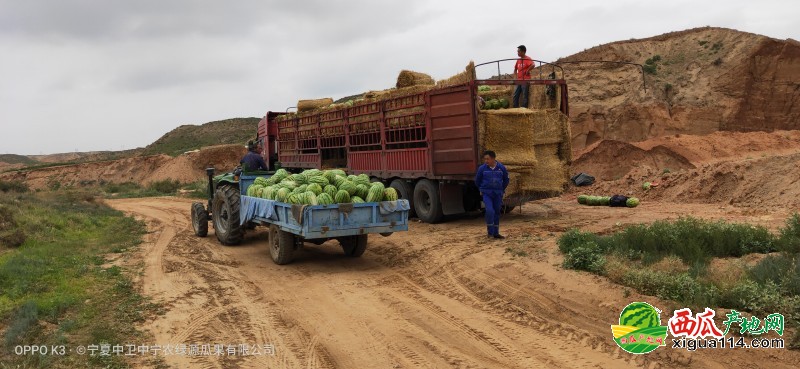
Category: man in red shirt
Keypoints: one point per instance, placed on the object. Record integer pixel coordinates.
(522, 70)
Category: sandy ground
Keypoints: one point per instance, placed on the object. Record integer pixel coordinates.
(438, 296)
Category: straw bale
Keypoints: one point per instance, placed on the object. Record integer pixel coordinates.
(308, 105)
(408, 78)
(466, 76)
(508, 133)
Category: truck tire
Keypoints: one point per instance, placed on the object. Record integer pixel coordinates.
(225, 213)
(406, 192)
(199, 220)
(354, 246)
(281, 245)
(507, 208)
(427, 203)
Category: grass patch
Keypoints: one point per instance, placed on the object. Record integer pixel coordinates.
(167, 187)
(55, 289)
(671, 260)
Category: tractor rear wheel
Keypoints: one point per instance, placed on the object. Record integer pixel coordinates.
(199, 219)
(225, 213)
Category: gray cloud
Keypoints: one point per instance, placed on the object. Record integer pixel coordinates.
(92, 75)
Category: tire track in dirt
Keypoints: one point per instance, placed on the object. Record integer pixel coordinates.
(438, 296)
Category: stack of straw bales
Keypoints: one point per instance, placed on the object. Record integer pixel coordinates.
(534, 146)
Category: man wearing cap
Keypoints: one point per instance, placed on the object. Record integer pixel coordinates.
(522, 71)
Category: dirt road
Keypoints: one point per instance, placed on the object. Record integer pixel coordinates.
(438, 296)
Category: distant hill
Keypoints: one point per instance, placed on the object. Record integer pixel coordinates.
(16, 159)
(191, 137)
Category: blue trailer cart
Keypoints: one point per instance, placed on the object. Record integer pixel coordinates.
(292, 225)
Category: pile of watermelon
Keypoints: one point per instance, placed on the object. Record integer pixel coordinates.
(494, 104)
(318, 187)
(605, 201)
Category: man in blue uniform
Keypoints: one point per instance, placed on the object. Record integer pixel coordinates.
(492, 180)
(253, 161)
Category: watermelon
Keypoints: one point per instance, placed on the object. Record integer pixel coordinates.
(315, 188)
(331, 174)
(605, 200)
(261, 181)
(250, 190)
(268, 193)
(281, 195)
(312, 173)
(375, 192)
(324, 199)
(357, 200)
(583, 199)
(646, 186)
(257, 190)
(294, 199)
(390, 194)
(300, 189)
(338, 180)
(484, 88)
(632, 202)
(639, 315)
(594, 200)
(281, 173)
(289, 184)
(362, 190)
(331, 190)
(503, 103)
(320, 180)
(342, 197)
(300, 178)
(349, 187)
(362, 179)
(310, 198)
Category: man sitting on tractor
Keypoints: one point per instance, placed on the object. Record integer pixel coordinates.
(253, 161)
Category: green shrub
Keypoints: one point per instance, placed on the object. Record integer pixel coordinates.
(772, 268)
(574, 238)
(167, 186)
(587, 257)
(650, 69)
(789, 236)
(13, 186)
(757, 298)
(22, 323)
(680, 287)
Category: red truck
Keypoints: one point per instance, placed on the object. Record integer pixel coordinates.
(423, 144)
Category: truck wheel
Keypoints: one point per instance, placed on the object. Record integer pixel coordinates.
(354, 246)
(426, 201)
(507, 208)
(225, 212)
(406, 192)
(199, 219)
(281, 245)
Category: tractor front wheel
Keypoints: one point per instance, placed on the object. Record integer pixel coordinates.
(199, 220)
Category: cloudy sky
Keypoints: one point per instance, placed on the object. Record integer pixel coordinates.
(111, 74)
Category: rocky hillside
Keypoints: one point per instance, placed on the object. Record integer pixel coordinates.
(699, 81)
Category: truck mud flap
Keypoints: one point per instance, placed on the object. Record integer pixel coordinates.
(452, 197)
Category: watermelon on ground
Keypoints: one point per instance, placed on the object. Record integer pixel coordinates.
(583, 199)
(632, 202)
